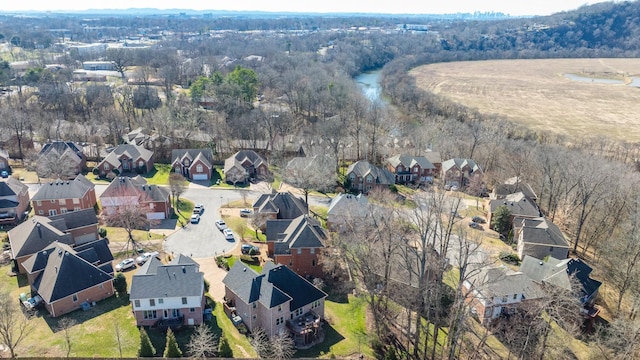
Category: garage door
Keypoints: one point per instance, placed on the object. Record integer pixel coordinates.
(155, 216)
(200, 177)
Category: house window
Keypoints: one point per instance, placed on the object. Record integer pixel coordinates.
(199, 168)
(369, 179)
(299, 251)
(63, 210)
(140, 163)
(76, 201)
(352, 176)
(551, 249)
(136, 303)
(279, 307)
(53, 201)
(187, 162)
(299, 311)
(280, 320)
(254, 317)
(62, 201)
(77, 208)
(149, 314)
(515, 296)
(178, 169)
(254, 305)
(40, 212)
(184, 301)
(315, 304)
(192, 309)
(415, 169)
(313, 250)
(313, 262)
(106, 166)
(75, 297)
(53, 212)
(152, 302)
(152, 205)
(160, 301)
(505, 298)
(101, 286)
(39, 203)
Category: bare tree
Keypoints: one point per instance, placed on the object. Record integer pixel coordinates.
(311, 173)
(121, 58)
(14, 327)
(282, 346)
(619, 340)
(260, 342)
(178, 185)
(56, 166)
(65, 325)
(203, 343)
(129, 211)
(119, 337)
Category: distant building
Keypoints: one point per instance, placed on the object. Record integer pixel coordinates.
(99, 65)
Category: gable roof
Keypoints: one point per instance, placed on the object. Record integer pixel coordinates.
(284, 204)
(557, 272)
(204, 155)
(12, 186)
(363, 168)
(276, 285)
(301, 232)
(77, 219)
(459, 164)
(500, 281)
(541, 231)
(63, 272)
(60, 189)
(348, 204)
(131, 151)
(60, 148)
(36, 234)
(512, 186)
(155, 280)
(518, 205)
(95, 252)
(408, 161)
(137, 186)
(241, 156)
(433, 157)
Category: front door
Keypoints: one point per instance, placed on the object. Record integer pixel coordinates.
(165, 314)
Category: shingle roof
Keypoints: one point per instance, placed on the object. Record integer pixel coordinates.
(518, 205)
(542, 231)
(65, 273)
(12, 186)
(165, 281)
(348, 204)
(238, 158)
(60, 189)
(512, 186)
(131, 151)
(8, 204)
(77, 219)
(205, 155)
(183, 260)
(4, 154)
(285, 204)
(499, 281)
(460, 163)
(301, 232)
(126, 186)
(276, 285)
(362, 168)
(433, 157)
(409, 161)
(34, 235)
(95, 251)
(557, 272)
(61, 147)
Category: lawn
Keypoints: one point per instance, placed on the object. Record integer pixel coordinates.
(232, 260)
(183, 210)
(222, 325)
(159, 175)
(242, 228)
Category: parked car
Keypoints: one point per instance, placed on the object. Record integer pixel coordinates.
(126, 264)
(245, 212)
(146, 256)
(454, 188)
(195, 218)
(198, 209)
(221, 225)
(476, 226)
(4, 174)
(478, 219)
(228, 234)
(248, 248)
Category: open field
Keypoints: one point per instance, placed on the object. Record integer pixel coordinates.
(536, 93)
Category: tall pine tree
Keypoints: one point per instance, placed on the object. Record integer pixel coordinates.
(146, 347)
(171, 349)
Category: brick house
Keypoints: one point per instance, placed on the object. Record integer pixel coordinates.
(411, 169)
(277, 299)
(14, 201)
(281, 205)
(4, 160)
(59, 197)
(193, 164)
(365, 177)
(297, 244)
(66, 152)
(539, 237)
(126, 158)
(245, 164)
(460, 172)
(126, 191)
(37, 233)
(169, 295)
(434, 158)
(66, 279)
(346, 208)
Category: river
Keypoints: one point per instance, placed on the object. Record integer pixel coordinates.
(368, 82)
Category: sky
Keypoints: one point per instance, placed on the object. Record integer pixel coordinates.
(511, 7)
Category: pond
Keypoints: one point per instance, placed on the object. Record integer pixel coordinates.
(635, 82)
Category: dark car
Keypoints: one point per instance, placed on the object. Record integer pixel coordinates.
(248, 249)
(4, 174)
(478, 219)
(475, 225)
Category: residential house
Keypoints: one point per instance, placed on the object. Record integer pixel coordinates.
(518, 204)
(37, 233)
(539, 237)
(63, 152)
(281, 205)
(193, 164)
(14, 201)
(168, 295)
(126, 158)
(434, 158)
(319, 171)
(512, 186)
(492, 292)
(59, 197)
(345, 209)
(276, 300)
(245, 164)
(4, 160)
(460, 172)
(297, 243)
(411, 169)
(68, 279)
(364, 177)
(125, 191)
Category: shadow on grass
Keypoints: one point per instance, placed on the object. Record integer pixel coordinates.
(331, 337)
(148, 175)
(159, 338)
(80, 316)
(22, 280)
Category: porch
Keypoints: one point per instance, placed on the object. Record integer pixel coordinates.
(307, 330)
(173, 323)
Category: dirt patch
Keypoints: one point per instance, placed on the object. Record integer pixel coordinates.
(537, 94)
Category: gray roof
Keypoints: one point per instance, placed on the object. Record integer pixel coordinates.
(348, 204)
(77, 219)
(362, 168)
(433, 157)
(512, 186)
(301, 232)
(131, 151)
(205, 155)
(63, 272)
(183, 260)
(60, 189)
(285, 204)
(541, 231)
(155, 280)
(459, 164)
(241, 156)
(276, 285)
(518, 205)
(36, 234)
(126, 186)
(95, 252)
(58, 148)
(499, 281)
(408, 161)
(552, 271)
(11, 186)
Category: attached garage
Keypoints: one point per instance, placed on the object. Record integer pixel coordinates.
(156, 216)
(200, 177)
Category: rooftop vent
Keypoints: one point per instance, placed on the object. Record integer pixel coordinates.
(184, 270)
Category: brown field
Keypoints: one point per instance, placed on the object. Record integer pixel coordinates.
(536, 93)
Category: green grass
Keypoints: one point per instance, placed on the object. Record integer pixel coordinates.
(232, 260)
(159, 175)
(345, 331)
(115, 234)
(185, 208)
(239, 343)
(96, 179)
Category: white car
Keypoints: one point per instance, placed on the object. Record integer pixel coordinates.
(198, 209)
(126, 264)
(195, 218)
(221, 225)
(228, 234)
(245, 212)
(146, 256)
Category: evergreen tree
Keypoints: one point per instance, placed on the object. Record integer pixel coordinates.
(224, 350)
(120, 284)
(501, 221)
(171, 349)
(146, 347)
